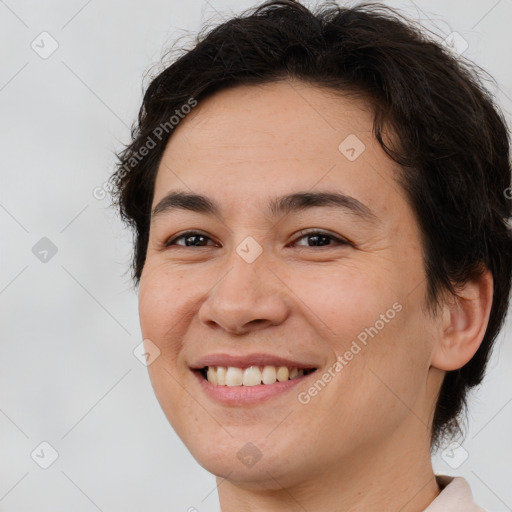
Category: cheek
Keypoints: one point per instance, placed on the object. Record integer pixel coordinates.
(161, 309)
(342, 300)
(161, 302)
(372, 321)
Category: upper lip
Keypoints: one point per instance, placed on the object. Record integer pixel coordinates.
(259, 359)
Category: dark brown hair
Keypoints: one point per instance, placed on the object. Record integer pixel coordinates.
(449, 139)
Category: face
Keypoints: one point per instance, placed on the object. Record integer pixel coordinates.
(332, 285)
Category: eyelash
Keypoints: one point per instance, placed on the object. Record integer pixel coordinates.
(303, 234)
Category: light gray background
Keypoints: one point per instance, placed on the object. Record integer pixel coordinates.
(69, 326)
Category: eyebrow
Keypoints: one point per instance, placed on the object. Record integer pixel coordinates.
(283, 205)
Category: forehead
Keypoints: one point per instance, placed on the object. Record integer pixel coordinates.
(257, 141)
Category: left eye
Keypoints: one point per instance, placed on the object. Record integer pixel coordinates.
(196, 239)
(319, 237)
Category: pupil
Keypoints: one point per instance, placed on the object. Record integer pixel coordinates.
(319, 237)
(192, 237)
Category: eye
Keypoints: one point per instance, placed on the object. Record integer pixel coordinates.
(192, 239)
(319, 238)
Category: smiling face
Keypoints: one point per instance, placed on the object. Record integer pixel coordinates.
(332, 282)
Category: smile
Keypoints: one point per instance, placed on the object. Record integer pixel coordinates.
(241, 394)
(233, 376)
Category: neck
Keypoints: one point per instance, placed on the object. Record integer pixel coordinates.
(394, 477)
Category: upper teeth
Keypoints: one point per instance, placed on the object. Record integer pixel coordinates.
(251, 376)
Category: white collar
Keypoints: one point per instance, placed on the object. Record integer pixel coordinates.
(455, 496)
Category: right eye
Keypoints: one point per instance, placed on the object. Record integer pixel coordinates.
(192, 239)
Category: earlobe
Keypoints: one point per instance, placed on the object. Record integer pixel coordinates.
(464, 322)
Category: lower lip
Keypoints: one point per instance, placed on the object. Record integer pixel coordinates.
(246, 395)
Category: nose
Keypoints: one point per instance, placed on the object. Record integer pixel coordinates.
(248, 297)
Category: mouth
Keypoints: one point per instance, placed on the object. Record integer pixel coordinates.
(268, 375)
(249, 384)
(241, 380)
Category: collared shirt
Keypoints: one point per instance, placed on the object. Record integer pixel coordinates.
(455, 496)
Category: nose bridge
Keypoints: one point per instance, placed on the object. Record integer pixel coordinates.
(247, 265)
(247, 294)
(247, 269)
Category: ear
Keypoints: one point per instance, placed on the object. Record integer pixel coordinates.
(464, 322)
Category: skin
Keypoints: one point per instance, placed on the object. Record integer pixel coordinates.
(363, 442)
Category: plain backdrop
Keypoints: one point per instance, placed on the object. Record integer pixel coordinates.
(68, 312)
